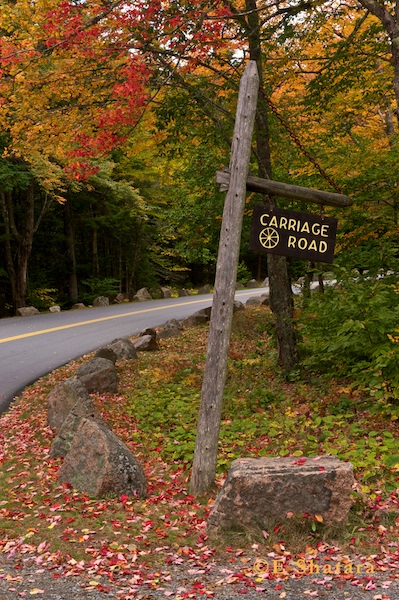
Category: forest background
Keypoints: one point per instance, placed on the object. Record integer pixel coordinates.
(116, 115)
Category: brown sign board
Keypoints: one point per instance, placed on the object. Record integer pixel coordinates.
(290, 233)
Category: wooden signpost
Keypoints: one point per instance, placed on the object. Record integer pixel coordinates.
(236, 182)
(206, 445)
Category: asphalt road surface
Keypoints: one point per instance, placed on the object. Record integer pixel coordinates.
(31, 347)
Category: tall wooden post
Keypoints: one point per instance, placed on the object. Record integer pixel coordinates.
(208, 427)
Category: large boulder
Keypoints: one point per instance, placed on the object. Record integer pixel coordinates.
(99, 464)
(78, 306)
(166, 292)
(55, 308)
(123, 348)
(261, 491)
(27, 311)
(101, 301)
(183, 292)
(63, 398)
(98, 376)
(63, 440)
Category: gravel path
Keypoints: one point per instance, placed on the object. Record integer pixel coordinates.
(216, 581)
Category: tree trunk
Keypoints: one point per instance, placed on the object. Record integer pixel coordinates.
(23, 255)
(17, 262)
(96, 264)
(73, 291)
(391, 25)
(4, 203)
(25, 248)
(21, 235)
(320, 278)
(279, 284)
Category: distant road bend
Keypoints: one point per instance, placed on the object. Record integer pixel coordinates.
(31, 347)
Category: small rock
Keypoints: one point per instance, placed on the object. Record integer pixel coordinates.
(78, 306)
(123, 348)
(98, 376)
(166, 292)
(156, 293)
(119, 298)
(107, 353)
(262, 300)
(142, 295)
(238, 306)
(205, 289)
(173, 323)
(254, 301)
(201, 316)
(169, 332)
(27, 311)
(55, 309)
(252, 284)
(145, 343)
(101, 301)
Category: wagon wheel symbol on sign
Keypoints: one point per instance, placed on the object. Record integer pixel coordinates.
(269, 238)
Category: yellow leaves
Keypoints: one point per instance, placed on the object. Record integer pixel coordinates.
(393, 338)
(29, 534)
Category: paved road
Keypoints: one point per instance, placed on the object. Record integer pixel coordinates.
(31, 347)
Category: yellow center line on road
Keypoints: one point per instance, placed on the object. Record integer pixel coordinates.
(136, 312)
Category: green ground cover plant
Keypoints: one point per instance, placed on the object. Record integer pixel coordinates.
(353, 329)
(266, 413)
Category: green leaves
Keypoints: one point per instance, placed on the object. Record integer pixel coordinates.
(350, 330)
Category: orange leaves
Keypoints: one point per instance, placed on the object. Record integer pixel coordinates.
(84, 70)
(67, 93)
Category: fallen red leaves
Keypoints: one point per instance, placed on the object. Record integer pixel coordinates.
(159, 543)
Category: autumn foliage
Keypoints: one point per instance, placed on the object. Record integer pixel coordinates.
(75, 78)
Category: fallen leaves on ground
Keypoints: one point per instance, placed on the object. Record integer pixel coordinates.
(161, 542)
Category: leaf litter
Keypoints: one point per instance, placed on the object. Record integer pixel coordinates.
(159, 547)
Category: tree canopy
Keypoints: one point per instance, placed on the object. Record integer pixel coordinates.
(143, 94)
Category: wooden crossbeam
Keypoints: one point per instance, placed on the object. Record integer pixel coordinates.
(286, 190)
